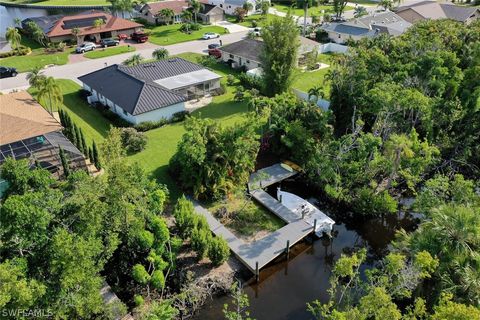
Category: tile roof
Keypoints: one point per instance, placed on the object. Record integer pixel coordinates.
(46, 23)
(21, 117)
(178, 6)
(246, 48)
(133, 95)
(435, 10)
(84, 21)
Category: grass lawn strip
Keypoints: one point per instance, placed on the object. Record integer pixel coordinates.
(94, 125)
(107, 52)
(38, 57)
(170, 34)
(315, 10)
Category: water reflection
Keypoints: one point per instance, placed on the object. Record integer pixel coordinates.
(286, 286)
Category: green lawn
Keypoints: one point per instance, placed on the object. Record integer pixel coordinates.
(305, 80)
(165, 35)
(316, 10)
(248, 20)
(94, 125)
(107, 52)
(38, 57)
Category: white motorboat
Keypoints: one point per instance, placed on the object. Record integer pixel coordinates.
(304, 209)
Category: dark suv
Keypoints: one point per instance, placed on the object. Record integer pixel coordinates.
(109, 43)
(139, 37)
(6, 72)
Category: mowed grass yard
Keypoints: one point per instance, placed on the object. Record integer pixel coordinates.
(247, 22)
(171, 34)
(107, 52)
(38, 57)
(313, 11)
(94, 125)
(304, 81)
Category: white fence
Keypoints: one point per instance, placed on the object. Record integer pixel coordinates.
(332, 47)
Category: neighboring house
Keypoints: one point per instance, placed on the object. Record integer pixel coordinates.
(59, 28)
(366, 27)
(28, 131)
(246, 53)
(150, 91)
(230, 5)
(208, 13)
(434, 10)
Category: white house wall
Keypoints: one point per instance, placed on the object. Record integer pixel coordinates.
(155, 115)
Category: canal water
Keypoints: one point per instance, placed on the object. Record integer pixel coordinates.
(286, 286)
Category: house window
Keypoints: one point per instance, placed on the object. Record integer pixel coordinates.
(125, 112)
(248, 61)
(221, 5)
(231, 56)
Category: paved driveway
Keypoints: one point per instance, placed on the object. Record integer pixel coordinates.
(74, 70)
(232, 27)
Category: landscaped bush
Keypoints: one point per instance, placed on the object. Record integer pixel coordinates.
(149, 125)
(178, 116)
(144, 22)
(230, 79)
(188, 27)
(84, 94)
(200, 240)
(132, 140)
(208, 61)
(218, 251)
(22, 51)
(250, 82)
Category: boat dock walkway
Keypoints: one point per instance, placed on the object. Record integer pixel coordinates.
(259, 253)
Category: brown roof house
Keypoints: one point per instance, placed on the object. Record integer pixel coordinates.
(30, 132)
(152, 12)
(59, 28)
(434, 10)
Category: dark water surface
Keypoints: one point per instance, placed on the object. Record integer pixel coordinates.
(286, 286)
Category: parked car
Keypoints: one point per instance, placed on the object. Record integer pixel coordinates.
(139, 37)
(109, 43)
(213, 46)
(210, 35)
(256, 31)
(122, 36)
(215, 53)
(84, 47)
(6, 72)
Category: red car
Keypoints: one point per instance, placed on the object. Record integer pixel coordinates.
(215, 53)
(122, 36)
(139, 37)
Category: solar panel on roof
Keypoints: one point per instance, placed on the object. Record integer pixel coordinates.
(81, 23)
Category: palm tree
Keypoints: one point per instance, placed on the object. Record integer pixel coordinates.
(122, 6)
(98, 23)
(134, 60)
(386, 4)
(248, 6)
(186, 15)
(264, 6)
(195, 5)
(14, 37)
(360, 11)
(50, 93)
(35, 77)
(160, 54)
(76, 32)
(167, 14)
(306, 5)
(316, 92)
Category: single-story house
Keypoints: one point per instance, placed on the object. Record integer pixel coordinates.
(150, 91)
(30, 132)
(60, 28)
(230, 5)
(246, 53)
(366, 27)
(208, 13)
(433, 10)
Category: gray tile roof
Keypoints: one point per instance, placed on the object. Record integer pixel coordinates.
(44, 22)
(133, 95)
(247, 48)
(348, 29)
(162, 69)
(435, 10)
(457, 12)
